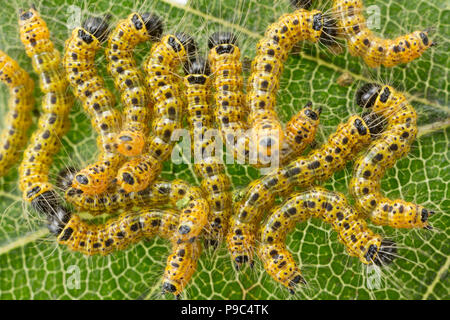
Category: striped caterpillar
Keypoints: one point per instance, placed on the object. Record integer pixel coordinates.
(161, 67)
(391, 145)
(120, 232)
(209, 166)
(272, 52)
(97, 100)
(178, 193)
(349, 138)
(18, 120)
(54, 122)
(128, 79)
(331, 207)
(374, 50)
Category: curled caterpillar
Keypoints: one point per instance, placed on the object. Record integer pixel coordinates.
(161, 68)
(349, 138)
(374, 50)
(56, 103)
(331, 207)
(209, 167)
(129, 228)
(272, 52)
(18, 120)
(129, 80)
(97, 100)
(226, 67)
(391, 145)
(179, 194)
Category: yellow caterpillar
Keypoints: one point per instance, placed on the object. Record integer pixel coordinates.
(118, 233)
(349, 138)
(56, 103)
(391, 145)
(208, 166)
(331, 207)
(375, 50)
(271, 52)
(161, 67)
(129, 80)
(97, 100)
(18, 119)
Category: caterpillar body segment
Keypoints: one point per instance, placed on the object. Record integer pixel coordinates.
(374, 50)
(56, 103)
(392, 144)
(348, 140)
(332, 208)
(129, 80)
(209, 167)
(263, 84)
(160, 68)
(18, 119)
(97, 101)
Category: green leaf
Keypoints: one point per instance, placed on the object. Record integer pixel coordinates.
(33, 266)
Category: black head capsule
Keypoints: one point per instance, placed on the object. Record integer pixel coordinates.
(154, 25)
(301, 4)
(25, 15)
(46, 203)
(65, 178)
(58, 221)
(313, 115)
(367, 95)
(386, 254)
(98, 27)
(375, 122)
(329, 32)
(197, 65)
(359, 125)
(188, 43)
(218, 38)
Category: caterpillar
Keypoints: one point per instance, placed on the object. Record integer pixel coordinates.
(161, 67)
(195, 208)
(56, 104)
(391, 145)
(209, 167)
(300, 132)
(180, 267)
(349, 138)
(18, 119)
(226, 67)
(97, 100)
(331, 207)
(128, 79)
(374, 50)
(271, 52)
(118, 233)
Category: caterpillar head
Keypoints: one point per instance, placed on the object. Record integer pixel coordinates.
(329, 32)
(310, 113)
(65, 177)
(48, 203)
(386, 254)
(301, 4)
(374, 122)
(98, 27)
(367, 95)
(171, 288)
(224, 42)
(154, 25)
(28, 14)
(197, 66)
(188, 43)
